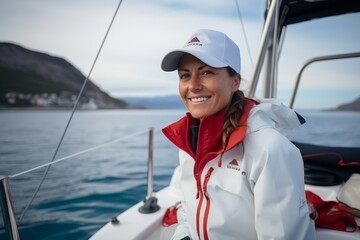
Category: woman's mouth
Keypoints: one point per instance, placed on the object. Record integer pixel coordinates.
(199, 99)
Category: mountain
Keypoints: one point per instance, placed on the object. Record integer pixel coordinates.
(352, 106)
(174, 102)
(34, 79)
(163, 102)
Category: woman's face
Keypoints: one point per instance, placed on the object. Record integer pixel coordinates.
(205, 90)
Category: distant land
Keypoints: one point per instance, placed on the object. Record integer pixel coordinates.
(31, 79)
(174, 102)
(352, 106)
(163, 102)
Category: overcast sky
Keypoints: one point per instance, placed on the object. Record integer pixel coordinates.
(144, 31)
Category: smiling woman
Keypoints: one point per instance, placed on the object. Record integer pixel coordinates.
(228, 160)
(205, 90)
(207, 81)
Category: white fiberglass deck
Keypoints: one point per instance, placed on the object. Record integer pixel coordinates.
(137, 226)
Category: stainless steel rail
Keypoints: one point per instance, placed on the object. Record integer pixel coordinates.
(150, 201)
(317, 59)
(264, 44)
(8, 210)
(150, 163)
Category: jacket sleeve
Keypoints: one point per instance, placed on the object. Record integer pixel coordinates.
(281, 210)
(182, 229)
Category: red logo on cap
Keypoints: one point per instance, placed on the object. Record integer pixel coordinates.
(195, 39)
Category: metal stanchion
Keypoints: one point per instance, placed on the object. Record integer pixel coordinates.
(150, 202)
(8, 210)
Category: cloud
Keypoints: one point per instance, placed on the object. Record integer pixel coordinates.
(321, 38)
(144, 31)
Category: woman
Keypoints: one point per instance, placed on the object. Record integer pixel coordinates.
(240, 177)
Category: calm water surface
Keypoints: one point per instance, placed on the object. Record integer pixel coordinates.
(81, 194)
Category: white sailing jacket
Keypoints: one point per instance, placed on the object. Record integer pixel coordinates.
(255, 190)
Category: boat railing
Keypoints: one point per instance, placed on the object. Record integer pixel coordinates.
(150, 201)
(313, 60)
(267, 40)
(7, 210)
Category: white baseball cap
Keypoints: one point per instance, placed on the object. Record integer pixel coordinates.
(211, 47)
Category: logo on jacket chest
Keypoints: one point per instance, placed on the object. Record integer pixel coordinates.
(234, 164)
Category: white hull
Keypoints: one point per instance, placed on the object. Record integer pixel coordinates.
(135, 225)
(138, 226)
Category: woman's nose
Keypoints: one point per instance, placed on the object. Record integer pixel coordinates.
(195, 83)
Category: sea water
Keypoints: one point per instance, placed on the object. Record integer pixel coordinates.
(81, 194)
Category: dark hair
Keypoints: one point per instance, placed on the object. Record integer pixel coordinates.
(235, 111)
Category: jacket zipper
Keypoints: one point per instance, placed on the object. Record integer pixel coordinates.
(203, 193)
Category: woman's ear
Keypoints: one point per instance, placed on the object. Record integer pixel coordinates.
(236, 83)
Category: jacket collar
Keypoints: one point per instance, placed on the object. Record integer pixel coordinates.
(209, 136)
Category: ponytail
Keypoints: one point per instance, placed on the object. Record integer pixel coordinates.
(235, 111)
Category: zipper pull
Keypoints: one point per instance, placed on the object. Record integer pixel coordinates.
(206, 180)
(198, 189)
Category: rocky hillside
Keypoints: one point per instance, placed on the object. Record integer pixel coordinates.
(353, 106)
(34, 79)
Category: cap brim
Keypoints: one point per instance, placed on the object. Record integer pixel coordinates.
(171, 60)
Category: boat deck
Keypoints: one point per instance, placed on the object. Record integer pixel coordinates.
(135, 225)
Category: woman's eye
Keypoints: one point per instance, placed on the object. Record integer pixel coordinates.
(183, 76)
(206, 73)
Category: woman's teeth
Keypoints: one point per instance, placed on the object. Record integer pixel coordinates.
(199, 99)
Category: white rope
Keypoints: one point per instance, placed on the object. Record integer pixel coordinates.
(76, 154)
(244, 32)
(71, 115)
